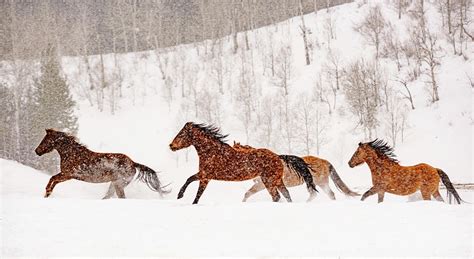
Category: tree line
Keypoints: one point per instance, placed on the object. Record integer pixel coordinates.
(86, 27)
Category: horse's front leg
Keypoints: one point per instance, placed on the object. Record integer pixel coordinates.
(370, 192)
(191, 179)
(381, 194)
(59, 178)
(202, 186)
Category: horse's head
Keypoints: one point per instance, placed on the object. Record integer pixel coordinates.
(184, 138)
(359, 156)
(49, 142)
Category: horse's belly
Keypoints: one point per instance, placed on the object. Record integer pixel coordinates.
(233, 177)
(101, 173)
(402, 189)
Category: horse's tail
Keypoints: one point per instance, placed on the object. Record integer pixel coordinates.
(449, 187)
(298, 165)
(150, 177)
(340, 185)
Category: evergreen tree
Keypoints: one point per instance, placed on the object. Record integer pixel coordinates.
(52, 107)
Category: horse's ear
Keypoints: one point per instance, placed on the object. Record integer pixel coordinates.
(360, 144)
(49, 130)
(235, 143)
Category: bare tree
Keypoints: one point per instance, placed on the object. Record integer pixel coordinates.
(395, 119)
(406, 93)
(266, 121)
(322, 92)
(283, 68)
(372, 28)
(362, 91)
(392, 46)
(427, 45)
(330, 27)
(304, 32)
(401, 6)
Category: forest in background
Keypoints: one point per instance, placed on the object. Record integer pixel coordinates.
(87, 27)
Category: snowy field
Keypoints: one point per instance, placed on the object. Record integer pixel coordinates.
(75, 222)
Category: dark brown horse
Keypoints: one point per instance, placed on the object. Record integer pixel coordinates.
(80, 163)
(320, 170)
(389, 176)
(219, 161)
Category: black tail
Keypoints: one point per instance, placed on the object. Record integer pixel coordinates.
(150, 177)
(340, 185)
(301, 168)
(449, 187)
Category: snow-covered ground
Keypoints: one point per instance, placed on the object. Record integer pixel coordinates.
(75, 222)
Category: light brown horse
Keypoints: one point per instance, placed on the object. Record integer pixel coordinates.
(389, 176)
(219, 161)
(80, 163)
(320, 170)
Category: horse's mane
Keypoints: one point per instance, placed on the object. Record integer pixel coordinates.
(383, 149)
(70, 139)
(212, 131)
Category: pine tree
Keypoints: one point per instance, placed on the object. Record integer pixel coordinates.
(52, 107)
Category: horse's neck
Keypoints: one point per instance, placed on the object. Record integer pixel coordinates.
(377, 165)
(210, 146)
(72, 149)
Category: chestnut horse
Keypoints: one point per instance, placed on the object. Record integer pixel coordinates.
(219, 161)
(80, 163)
(320, 170)
(389, 176)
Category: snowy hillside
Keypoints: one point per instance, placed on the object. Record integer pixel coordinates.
(206, 82)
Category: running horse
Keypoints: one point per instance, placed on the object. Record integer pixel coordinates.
(80, 163)
(389, 176)
(320, 170)
(219, 161)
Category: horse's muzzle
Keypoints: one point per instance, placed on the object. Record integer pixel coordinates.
(173, 148)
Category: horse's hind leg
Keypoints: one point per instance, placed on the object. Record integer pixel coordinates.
(118, 185)
(282, 188)
(327, 190)
(257, 186)
(272, 189)
(437, 196)
(110, 192)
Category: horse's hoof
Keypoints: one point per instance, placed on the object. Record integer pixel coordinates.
(180, 195)
(46, 195)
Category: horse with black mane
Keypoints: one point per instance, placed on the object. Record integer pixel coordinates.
(219, 161)
(389, 176)
(80, 163)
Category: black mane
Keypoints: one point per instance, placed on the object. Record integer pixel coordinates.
(212, 131)
(383, 149)
(70, 139)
